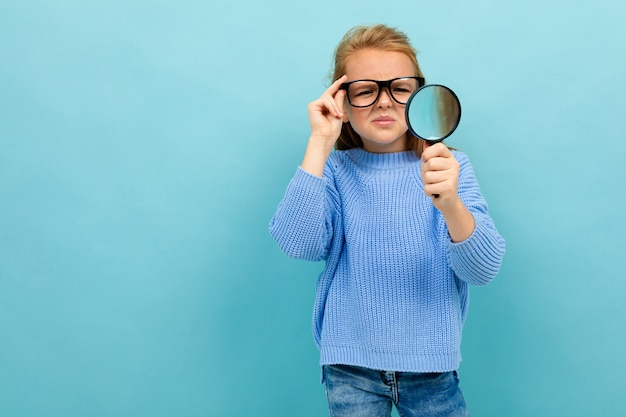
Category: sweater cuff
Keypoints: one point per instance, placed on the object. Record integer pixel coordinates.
(470, 244)
(477, 259)
(483, 240)
(306, 180)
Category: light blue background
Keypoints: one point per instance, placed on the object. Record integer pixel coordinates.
(145, 145)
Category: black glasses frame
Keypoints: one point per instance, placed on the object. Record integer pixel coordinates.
(381, 84)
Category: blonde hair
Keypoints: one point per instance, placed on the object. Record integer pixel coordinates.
(379, 37)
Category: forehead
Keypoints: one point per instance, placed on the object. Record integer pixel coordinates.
(376, 64)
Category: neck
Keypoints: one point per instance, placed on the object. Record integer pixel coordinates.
(399, 145)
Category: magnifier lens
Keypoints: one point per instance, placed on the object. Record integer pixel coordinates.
(433, 112)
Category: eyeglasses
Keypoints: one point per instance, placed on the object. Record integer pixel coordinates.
(364, 93)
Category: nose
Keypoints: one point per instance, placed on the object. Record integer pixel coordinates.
(384, 100)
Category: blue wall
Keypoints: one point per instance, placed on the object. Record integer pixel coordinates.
(144, 147)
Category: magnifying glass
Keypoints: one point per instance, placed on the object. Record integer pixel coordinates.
(433, 112)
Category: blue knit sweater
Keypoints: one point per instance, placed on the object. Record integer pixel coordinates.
(394, 291)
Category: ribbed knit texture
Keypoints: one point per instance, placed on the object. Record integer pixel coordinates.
(394, 292)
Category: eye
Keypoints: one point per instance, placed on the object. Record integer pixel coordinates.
(403, 87)
(401, 90)
(362, 91)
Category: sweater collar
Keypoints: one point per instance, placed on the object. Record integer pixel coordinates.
(392, 160)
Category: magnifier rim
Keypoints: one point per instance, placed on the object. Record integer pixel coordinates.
(408, 104)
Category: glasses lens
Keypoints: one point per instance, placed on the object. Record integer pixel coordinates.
(365, 93)
(362, 93)
(401, 89)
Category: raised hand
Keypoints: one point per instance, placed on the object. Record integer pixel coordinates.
(326, 116)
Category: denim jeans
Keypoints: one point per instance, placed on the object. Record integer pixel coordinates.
(354, 391)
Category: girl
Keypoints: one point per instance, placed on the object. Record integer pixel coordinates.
(392, 299)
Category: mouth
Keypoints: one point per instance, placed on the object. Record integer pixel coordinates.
(383, 121)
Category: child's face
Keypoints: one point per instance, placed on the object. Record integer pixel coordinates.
(382, 126)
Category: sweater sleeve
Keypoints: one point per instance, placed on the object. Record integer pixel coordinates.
(302, 224)
(477, 259)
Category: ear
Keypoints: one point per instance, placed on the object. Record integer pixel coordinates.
(346, 108)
